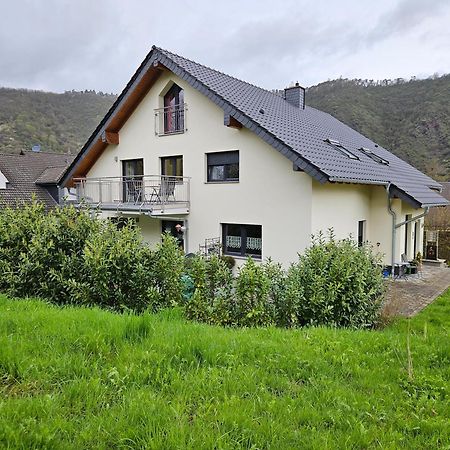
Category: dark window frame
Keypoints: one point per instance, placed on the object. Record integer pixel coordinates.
(229, 160)
(173, 101)
(361, 232)
(244, 231)
(174, 165)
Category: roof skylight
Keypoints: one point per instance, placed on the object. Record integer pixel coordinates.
(338, 146)
(374, 156)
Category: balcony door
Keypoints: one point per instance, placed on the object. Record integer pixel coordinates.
(132, 173)
(174, 110)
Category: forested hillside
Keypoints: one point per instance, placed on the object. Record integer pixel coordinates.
(410, 118)
(58, 122)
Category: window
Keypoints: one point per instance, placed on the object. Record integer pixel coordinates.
(242, 240)
(172, 166)
(361, 233)
(132, 180)
(223, 166)
(170, 226)
(174, 110)
(373, 156)
(338, 146)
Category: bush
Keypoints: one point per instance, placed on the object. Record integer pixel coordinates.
(212, 299)
(342, 284)
(333, 283)
(252, 295)
(69, 257)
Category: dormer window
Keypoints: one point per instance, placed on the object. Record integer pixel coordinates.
(171, 119)
(374, 156)
(338, 146)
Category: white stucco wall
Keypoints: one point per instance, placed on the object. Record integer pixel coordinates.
(342, 206)
(269, 192)
(288, 205)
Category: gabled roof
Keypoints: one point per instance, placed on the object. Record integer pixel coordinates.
(299, 134)
(22, 172)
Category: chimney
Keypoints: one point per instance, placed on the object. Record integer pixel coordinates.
(295, 95)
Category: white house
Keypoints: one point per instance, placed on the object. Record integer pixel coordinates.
(187, 144)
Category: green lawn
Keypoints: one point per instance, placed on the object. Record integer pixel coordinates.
(85, 378)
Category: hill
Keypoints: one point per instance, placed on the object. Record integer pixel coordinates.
(58, 122)
(410, 118)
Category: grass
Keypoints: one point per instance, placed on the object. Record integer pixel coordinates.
(86, 378)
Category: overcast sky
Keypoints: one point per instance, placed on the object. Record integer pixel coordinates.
(59, 45)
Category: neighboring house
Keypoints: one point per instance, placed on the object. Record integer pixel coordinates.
(187, 144)
(29, 174)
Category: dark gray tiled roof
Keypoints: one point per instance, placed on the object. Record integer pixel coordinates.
(299, 134)
(51, 175)
(305, 131)
(22, 171)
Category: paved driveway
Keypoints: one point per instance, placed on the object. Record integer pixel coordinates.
(406, 297)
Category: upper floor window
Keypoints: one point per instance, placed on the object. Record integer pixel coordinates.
(172, 166)
(223, 166)
(172, 117)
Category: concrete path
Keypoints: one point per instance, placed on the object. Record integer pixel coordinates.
(406, 297)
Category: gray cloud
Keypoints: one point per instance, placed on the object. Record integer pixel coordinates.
(61, 44)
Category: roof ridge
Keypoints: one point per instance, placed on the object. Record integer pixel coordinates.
(218, 71)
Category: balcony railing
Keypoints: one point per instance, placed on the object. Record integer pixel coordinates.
(171, 120)
(157, 194)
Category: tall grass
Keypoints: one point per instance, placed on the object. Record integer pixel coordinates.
(86, 378)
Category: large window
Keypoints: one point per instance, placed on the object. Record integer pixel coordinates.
(223, 166)
(174, 110)
(242, 240)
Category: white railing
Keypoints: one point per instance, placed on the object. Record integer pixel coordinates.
(171, 120)
(147, 192)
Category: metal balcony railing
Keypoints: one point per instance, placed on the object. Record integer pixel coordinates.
(171, 120)
(154, 193)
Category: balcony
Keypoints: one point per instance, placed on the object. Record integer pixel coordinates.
(171, 120)
(155, 195)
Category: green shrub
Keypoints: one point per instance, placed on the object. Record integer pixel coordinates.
(252, 296)
(68, 256)
(212, 299)
(342, 284)
(168, 269)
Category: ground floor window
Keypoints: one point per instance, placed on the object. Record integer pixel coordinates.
(242, 240)
(361, 232)
(175, 228)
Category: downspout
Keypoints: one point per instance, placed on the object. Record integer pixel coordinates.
(394, 228)
(396, 225)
